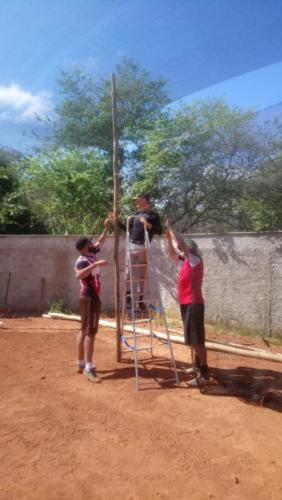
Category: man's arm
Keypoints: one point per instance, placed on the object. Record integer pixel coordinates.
(171, 237)
(103, 235)
(152, 222)
(85, 271)
(170, 248)
(179, 241)
(111, 219)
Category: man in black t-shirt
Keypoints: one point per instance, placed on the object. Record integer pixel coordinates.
(144, 218)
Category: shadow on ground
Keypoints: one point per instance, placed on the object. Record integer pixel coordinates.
(259, 387)
(262, 388)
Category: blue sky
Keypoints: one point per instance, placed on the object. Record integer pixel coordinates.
(230, 48)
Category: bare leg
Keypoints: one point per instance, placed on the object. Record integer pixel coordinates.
(89, 347)
(201, 352)
(80, 346)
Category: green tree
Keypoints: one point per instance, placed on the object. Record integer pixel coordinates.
(15, 215)
(196, 162)
(261, 200)
(71, 190)
(84, 118)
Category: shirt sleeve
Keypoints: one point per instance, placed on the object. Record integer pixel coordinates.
(95, 248)
(81, 264)
(154, 219)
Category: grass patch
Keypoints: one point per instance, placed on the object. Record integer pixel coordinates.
(223, 328)
(59, 307)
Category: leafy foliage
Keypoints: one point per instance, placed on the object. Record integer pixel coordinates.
(197, 162)
(206, 165)
(70, 189)
(85, 115)
(15, 215)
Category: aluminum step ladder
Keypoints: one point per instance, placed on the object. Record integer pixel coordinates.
(143, 314)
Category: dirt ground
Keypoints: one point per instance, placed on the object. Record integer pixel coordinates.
(62, 437)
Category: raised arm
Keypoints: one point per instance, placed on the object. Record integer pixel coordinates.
(103, 235)
(172, 236)
(111, 219)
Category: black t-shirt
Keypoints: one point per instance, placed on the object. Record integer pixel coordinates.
(136, 228)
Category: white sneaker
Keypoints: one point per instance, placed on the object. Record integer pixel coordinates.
(191, 371)
(198, 381)
(92, 375)
(80, 368)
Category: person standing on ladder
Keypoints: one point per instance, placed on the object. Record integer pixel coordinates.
(190, 297)
(143, 218)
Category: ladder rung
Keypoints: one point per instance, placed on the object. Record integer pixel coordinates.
(142, 279)
(138, 265)
(162, 381)
(132, 349)
(145, 301)
(138, 335)
(146, 320)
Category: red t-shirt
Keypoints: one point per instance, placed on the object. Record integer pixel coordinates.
(189, 283)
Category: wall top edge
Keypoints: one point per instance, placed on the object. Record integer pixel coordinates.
(194, 235)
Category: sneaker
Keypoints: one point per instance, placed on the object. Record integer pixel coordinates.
(191, 371)
(198, 381)
(79, 369)
(128, 304)
(141, 305)
(92, 375)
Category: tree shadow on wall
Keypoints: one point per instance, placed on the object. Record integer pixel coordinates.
(225, 249)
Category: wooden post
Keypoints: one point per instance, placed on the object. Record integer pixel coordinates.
(116, 215)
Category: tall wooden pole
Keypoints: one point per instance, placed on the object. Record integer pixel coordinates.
(116, 215)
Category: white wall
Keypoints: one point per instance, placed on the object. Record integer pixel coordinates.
(242, 285)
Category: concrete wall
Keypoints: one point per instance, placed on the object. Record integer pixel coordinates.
(243, 275)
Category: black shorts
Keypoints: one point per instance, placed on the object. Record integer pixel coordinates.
(90, 308)
(193, 323)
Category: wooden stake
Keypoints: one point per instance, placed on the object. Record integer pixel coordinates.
(116, 215)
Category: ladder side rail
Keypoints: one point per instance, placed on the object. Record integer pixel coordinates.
(124, 284)
(153, 268)
(132, 301)
(148, 261)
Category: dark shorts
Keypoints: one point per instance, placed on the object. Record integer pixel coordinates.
(90, 308)
(193, 323)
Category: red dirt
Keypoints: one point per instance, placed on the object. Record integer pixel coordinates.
(65, 438)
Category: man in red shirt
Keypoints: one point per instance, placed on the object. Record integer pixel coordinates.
(192, 307)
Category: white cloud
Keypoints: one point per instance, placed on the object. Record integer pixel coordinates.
(18, 105)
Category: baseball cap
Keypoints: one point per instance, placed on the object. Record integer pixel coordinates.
(142, 195)
(193, 247)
